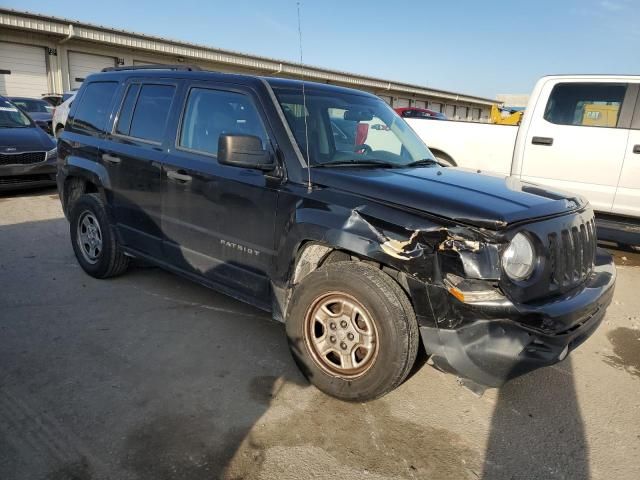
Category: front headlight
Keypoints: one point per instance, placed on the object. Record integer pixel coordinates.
(52, 153)
(518, 260)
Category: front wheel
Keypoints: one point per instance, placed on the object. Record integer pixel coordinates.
(352, 331)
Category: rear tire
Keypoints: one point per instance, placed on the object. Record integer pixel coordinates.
(352, 331)
(94, 240)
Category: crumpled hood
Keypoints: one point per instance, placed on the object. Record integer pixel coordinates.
(482, 200)
(27, 139)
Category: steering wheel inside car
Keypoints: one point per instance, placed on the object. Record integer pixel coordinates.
(362, 149)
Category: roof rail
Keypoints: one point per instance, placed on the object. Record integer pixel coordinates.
(190, 68)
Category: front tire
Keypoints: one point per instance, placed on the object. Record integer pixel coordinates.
(94, 240)
(352, 331)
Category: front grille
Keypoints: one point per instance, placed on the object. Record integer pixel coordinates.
(25, 158)
(571, 254)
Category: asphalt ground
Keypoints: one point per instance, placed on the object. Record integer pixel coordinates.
(149, 376)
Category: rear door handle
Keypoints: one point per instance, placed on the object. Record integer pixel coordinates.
(636, 149)
(111, 159)
(548, 141)
(179, 177)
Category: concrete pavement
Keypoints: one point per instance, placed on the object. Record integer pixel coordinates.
(149, 376)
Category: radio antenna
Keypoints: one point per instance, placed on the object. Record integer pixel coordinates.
(304, 104)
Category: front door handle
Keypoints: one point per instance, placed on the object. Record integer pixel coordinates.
(179, 177)
(636, 149)
(547, 141)
(111, 159)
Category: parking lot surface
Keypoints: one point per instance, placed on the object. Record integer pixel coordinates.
(149, 376)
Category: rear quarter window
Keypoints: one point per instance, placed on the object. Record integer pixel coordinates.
(93, 108)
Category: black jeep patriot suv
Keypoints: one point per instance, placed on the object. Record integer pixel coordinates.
(320, 204)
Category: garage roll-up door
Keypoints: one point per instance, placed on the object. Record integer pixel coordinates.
(450, 111)
(81, 65)
(23, 70)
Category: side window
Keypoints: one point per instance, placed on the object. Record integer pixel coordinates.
(145, 111)
(93, 109)
(211, 113)
(585, 104)
(126, 112)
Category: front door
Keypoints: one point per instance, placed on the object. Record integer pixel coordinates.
(219, 220)
(576, 142)
(627, 200)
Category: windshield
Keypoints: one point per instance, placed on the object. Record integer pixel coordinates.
(345, 128)
(32, 105)
(11, 116)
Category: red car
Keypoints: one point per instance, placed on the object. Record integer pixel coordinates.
(414, 112)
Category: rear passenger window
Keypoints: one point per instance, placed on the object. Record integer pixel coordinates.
(210, 113)
(92, 112)
(145, 111)
(126, 112)
(585, 104)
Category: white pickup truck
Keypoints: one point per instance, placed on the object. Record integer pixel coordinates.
(579, 133)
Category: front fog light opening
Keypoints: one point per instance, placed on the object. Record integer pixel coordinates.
(518, 260)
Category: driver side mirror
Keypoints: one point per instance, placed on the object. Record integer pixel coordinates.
(244, 151)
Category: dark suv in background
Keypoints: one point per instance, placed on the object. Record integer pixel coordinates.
(320, 204)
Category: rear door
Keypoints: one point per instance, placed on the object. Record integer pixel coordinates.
(219, 220)
(577, 139)
(627, 201)
(133, 157)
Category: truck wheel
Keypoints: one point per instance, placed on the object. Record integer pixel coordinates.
(94, 240)
(352, 331)
(445, 160)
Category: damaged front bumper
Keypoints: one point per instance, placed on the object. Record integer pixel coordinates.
(499, 341)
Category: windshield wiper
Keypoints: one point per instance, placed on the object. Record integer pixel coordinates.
(359, 163)
(420, 163)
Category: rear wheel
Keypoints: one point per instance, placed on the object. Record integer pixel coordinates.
(352, 331)
(94, 240)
